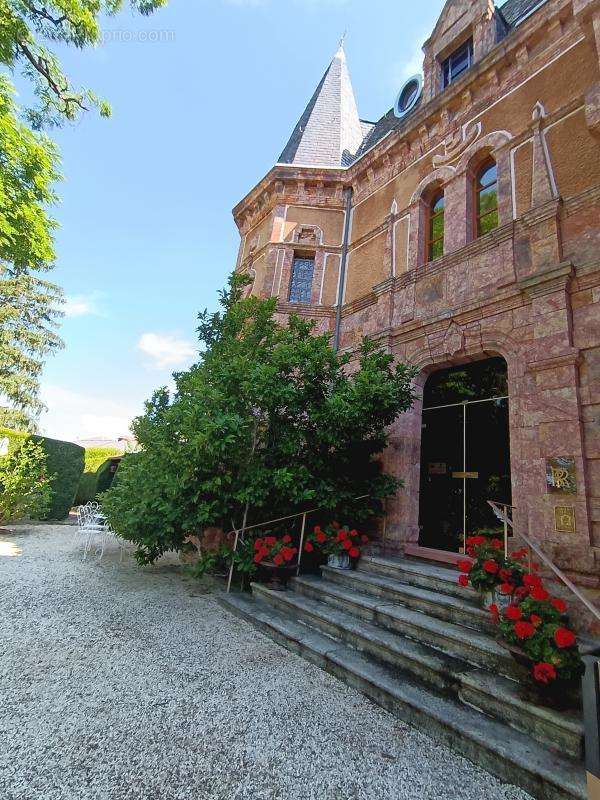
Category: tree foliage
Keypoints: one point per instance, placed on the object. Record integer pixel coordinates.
(24, 483)
(28, 27)
(29, 304)
(269, 421)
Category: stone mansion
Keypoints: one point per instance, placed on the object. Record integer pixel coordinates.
(462, 231)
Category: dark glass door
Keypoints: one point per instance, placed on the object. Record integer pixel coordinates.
(442, 496)
(465, 453)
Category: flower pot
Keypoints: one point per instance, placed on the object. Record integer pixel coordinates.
(277, 575)
(493, 596)
(339, 560)
(558, 694)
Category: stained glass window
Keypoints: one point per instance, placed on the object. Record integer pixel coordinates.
(302, 278)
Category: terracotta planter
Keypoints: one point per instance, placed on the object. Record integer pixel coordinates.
(558, 694)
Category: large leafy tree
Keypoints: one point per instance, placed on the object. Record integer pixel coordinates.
(29, 303)
(28, 27)
(271, 420)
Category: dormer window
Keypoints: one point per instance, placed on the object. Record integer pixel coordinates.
(458, 62)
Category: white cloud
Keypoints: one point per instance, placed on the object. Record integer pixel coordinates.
(74, 415)
(81, 305)
(166, 349)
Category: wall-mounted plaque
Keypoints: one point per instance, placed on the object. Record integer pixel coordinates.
(437, 468)
(564, 519)
(561, 475)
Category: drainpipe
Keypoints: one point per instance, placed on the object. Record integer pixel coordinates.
(343, 261)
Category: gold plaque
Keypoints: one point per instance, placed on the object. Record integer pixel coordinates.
(561, 475)
(564, 519)
(462, 475)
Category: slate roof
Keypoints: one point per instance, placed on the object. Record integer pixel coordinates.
(512, 11)
(329, 131)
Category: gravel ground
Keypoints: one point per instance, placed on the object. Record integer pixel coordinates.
(133, 684)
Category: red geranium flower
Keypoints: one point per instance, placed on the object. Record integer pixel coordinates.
(559, 604)
(463, 580)
(258, 544)
(513, 613)
(543, 672)
(539, 593)
(475, 541)
(317, 529)
(288, 553)
(505, 575)
(490, 566)
(564, 638)
(535, 620)
(465, 566)
(494, 611)
(532, 580)
(286, 539)
(347, 544)
(524, 630)
(270, 540)
(257, 558)
(497, 544)
(308, 547)
(321, 537)
(278, 559)
(506, 588)
(342, 536)
(354, 552)
(353, 534)
(521, 592)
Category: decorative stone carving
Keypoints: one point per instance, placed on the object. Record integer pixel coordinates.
(457, 143)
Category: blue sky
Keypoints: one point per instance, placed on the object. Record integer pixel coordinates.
(205, 94)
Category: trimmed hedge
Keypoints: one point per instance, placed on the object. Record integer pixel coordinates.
(94, 458)
(106, 474)
(64, 459)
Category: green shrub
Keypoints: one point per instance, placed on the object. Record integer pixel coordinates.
(64, 461)
(94, 458)
(24, 483)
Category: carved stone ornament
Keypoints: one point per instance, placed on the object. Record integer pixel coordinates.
(457, 143)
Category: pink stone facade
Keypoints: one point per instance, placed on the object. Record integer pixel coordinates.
(529, 290)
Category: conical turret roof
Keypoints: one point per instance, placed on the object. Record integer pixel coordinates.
(329, 130)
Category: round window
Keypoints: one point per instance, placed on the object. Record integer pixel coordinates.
(409, 96)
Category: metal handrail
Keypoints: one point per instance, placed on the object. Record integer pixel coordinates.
(239, 534)
(501, 512)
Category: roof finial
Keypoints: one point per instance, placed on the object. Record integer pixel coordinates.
(343, 39)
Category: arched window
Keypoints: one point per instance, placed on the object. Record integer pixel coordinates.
(486, 198)
(435, 245)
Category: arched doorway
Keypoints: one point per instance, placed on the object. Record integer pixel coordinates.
(465, 452)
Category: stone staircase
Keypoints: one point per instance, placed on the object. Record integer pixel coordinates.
(406, 635)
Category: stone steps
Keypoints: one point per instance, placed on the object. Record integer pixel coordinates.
(491, 694)
(443, 606)
(468, 644)
(419, 573)
(513, 756)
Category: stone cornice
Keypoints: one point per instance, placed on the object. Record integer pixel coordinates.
(571, 359)
(548, 282)
(305, 310)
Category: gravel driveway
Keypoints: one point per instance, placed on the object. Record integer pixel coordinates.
(133, 684)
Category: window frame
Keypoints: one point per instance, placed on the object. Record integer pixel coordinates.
(432, 216)
(478, 190)
(447, 74)
(303, 283)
